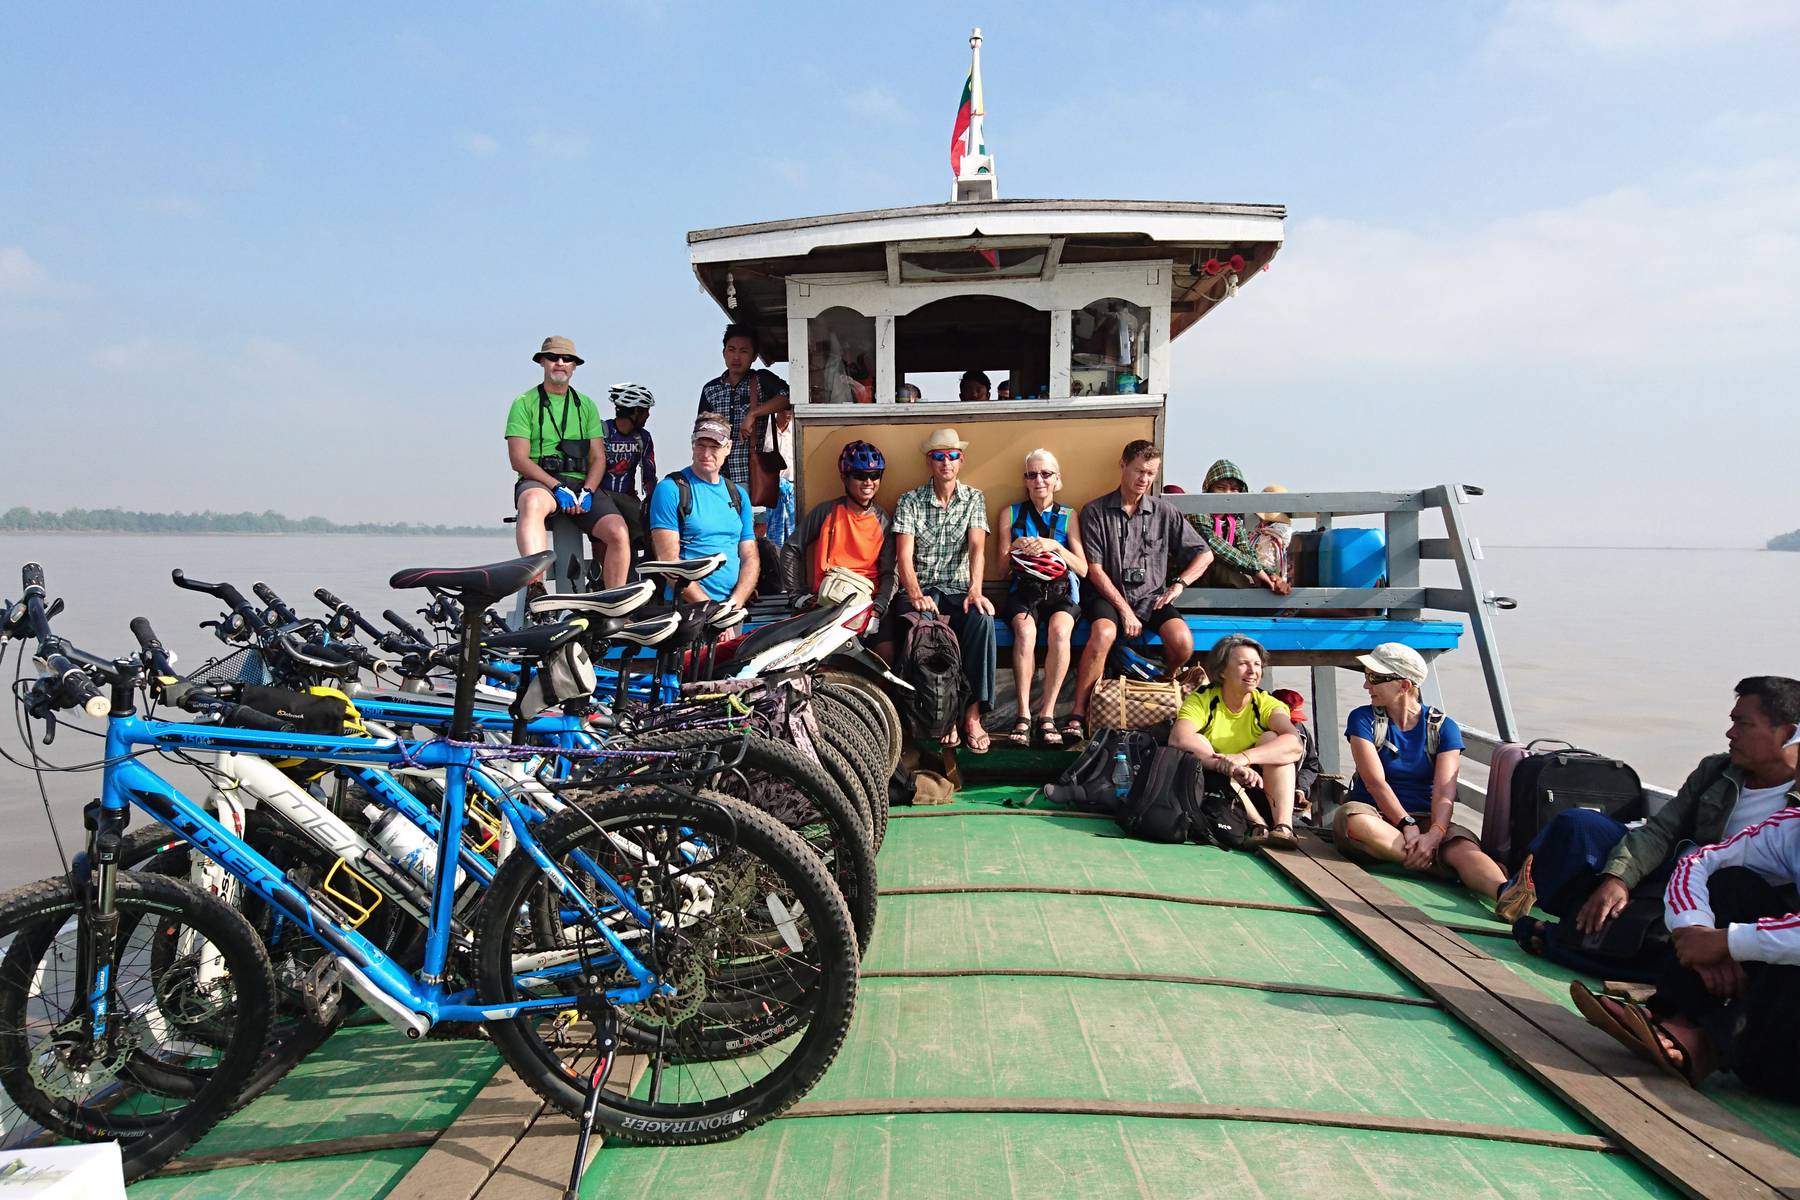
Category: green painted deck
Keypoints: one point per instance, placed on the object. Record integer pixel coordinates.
(1195, 1082)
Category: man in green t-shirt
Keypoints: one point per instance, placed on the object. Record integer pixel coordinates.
(554, 440)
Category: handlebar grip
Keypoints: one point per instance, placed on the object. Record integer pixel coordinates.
(265, 593)
(32, 575)
(244, 717)
(73, 688)
(153, 649)
(404, 626)
(324, 596)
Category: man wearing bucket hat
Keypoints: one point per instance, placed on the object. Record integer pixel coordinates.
(940, 539)
(695, 512)
(554, 442)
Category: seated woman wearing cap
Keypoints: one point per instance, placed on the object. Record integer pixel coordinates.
(1407, 755)
(1231, 538)
(1041, 545)
(1235, 728)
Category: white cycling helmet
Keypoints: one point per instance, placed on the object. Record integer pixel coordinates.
(630, 395)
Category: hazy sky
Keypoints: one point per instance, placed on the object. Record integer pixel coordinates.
(297, 257)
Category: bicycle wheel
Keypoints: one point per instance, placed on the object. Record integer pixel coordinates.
(869, 710)
(777, 779)
(296, 1027)
(190, 994)
(884, 707)
(753, 937)
(837, 764)
(846, 733)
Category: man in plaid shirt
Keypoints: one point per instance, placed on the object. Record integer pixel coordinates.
(744, 395)
(940, 539)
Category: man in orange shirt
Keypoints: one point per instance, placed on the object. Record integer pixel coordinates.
(852, 532)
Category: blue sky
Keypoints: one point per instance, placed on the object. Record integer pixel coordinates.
(298, 258)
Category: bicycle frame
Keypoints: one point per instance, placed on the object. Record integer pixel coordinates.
(412, 1002)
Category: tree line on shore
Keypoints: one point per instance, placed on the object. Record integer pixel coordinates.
(1786, 541)
(118, 520)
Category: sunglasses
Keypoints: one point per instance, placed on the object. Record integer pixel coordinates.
(945, 455)
(866, 476)
(559, 358)
(1373, 677)
(1040, 474)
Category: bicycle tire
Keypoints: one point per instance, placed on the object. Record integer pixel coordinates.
(869, 710)
(884, 707)
(753, 855)
(844, 773)
(845, 731)
(834, 829)
(160, 909)
(155, 849)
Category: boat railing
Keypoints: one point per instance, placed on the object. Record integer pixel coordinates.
(1405, 598)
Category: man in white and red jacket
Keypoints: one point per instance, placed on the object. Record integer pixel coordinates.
(1729, 998)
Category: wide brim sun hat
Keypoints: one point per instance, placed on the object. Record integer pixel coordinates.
(1273, 517)
(943, 439)
(558, 345)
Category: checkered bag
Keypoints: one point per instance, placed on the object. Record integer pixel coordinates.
(1132, 704)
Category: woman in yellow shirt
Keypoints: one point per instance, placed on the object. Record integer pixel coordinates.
(1237, 729)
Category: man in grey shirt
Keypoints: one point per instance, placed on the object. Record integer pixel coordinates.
(1131, 537)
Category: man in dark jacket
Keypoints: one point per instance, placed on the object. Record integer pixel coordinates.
(1586, 865)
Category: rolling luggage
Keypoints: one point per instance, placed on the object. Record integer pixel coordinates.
(1533, 783)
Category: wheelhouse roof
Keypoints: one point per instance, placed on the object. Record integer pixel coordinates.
(744, 268)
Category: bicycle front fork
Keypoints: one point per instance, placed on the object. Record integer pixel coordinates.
(97, 920)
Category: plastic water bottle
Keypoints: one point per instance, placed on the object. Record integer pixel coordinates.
(1121, 775)
(405, 844)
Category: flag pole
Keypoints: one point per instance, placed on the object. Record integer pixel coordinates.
(975, 176)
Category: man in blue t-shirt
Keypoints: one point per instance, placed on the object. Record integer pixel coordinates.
(717, 521)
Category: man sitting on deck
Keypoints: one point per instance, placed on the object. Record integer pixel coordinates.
(1130, 536)
(1727, 996)
(1588, 866)
(940, 550)
(695, 512)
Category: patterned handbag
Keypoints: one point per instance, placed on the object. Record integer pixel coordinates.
(1132, 704)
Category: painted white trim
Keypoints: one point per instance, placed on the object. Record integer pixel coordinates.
(1075, 286)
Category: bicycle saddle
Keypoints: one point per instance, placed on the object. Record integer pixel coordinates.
(725, 617)
(650, 632)
(478, 586)
(686, 568)
(534, 641)
(764, 636)
(613, 602)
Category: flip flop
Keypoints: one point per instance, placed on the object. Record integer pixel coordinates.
(979, 747)
(952, 739)
(1609, 1015)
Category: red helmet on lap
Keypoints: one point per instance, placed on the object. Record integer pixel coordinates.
(1045, 564)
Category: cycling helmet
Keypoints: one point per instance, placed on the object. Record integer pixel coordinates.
(860, 456)
(630, 395)
(1045, 564)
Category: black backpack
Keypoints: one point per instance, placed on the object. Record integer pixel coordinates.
(1087, 784)
(932, 664)
(1174, 799)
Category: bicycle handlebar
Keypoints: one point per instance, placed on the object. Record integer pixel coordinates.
(154, 653)
(32, 576)
(230, 595)
(276, 604)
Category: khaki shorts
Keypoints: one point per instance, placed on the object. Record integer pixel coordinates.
(1351, 850)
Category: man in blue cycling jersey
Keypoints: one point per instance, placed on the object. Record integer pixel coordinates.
(696, 512)
(553, 440)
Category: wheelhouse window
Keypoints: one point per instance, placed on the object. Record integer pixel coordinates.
(840, 357)
(972, 262)
(937, 342)
(1109, 344)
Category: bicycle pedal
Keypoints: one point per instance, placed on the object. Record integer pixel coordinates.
(322, 991)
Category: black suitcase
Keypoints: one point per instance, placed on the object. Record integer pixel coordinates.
(1552, 780)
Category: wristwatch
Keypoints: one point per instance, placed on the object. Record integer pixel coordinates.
(1408, 822)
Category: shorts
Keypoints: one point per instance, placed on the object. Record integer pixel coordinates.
(1096, 609)
(1356, 854)
(603, 505)
(1041, 610)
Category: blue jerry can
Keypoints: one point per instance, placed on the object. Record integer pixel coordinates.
(1352, 558)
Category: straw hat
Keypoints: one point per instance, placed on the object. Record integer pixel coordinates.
(943, 439)
(1276, 516)
(557, 345)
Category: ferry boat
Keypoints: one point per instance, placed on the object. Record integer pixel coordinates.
(1049, 1008)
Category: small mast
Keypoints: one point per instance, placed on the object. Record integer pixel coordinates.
(973, 165)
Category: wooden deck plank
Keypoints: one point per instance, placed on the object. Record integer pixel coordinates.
(1456, 976)
(462, 1160)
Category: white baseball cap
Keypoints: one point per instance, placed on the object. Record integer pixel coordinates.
(1396, 658)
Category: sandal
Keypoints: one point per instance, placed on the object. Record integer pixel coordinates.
(1258, 836)
(1047, 732)
(951, 739)
(1531, 934)
(1021, 733)
(1517, 896)
(1075, 728)
(979, 741)
(1632, 1026)
(1606, 1014)
(1281, 836)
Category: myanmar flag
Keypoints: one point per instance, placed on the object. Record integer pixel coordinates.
(959, 134)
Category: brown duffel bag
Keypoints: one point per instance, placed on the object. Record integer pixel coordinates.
(1132, 704)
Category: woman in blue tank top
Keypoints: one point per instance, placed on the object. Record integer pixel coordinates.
(1041, 545)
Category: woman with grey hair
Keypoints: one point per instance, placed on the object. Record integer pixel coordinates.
(1040, 542)
(1235, 728)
